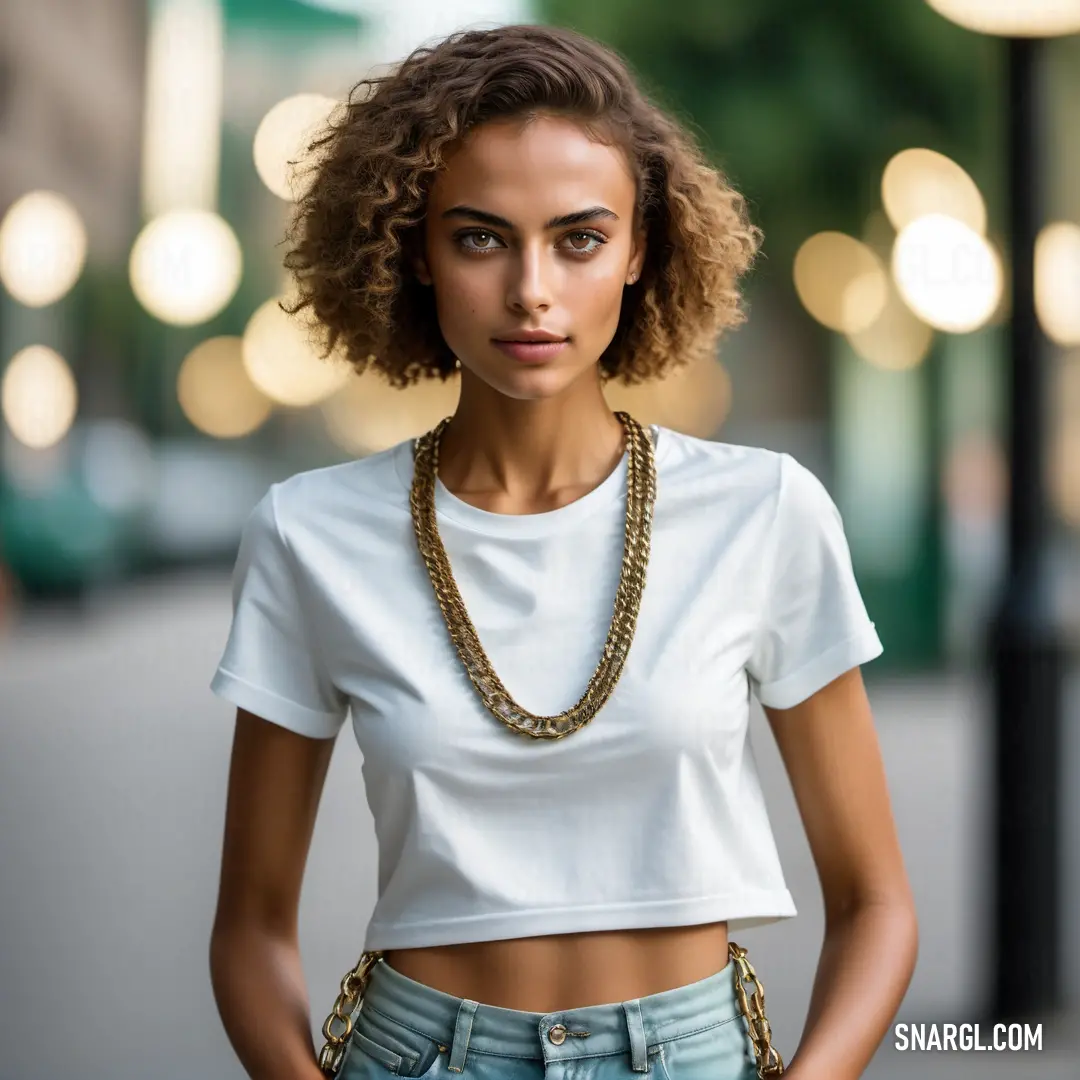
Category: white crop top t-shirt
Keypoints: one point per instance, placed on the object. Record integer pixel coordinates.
(652, 813)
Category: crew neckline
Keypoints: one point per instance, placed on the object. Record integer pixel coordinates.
(449, 507)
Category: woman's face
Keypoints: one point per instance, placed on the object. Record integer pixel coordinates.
(501, 262)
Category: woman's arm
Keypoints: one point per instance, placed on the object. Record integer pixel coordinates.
(276, 779)
(831, 753)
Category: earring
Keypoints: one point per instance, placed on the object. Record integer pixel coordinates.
(633, 277)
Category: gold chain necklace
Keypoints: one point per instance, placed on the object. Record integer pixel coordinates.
(640, 497)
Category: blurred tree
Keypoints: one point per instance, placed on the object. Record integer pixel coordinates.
(803, 103)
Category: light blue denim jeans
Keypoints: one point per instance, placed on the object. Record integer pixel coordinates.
(406, 1028)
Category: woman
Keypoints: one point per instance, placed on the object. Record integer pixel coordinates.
(545, 619)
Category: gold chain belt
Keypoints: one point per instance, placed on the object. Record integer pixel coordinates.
(769, 1062)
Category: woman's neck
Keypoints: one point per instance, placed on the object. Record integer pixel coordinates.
(513, 456)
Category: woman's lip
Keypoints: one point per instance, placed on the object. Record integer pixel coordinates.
(530, 350)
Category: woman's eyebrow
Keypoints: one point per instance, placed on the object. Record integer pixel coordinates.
(559, 222)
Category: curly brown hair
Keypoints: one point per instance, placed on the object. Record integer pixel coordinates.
(361, 217)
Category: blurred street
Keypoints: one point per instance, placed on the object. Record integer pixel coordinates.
(112, 783)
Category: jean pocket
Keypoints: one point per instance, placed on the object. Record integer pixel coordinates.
(720, 1052)
(397, 1048)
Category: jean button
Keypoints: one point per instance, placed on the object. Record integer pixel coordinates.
(557, 1034)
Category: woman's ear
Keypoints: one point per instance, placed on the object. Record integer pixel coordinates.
(637, 255)
(414, 254)
(420, 269)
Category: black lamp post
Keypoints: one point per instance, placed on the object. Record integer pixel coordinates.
(1027, 652)
(1026, 645)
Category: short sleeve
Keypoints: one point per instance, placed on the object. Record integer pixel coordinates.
(814, 624)
(271, 665)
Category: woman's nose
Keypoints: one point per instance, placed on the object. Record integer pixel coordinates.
(532, 284)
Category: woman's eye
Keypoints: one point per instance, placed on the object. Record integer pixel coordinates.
(595, 237)
(474, 236)
(478, 240)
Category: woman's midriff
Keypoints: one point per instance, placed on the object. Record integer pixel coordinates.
(568, 971)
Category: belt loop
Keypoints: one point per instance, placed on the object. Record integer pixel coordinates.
(462, 1032)
(639, 1060)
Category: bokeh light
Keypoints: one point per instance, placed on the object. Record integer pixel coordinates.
(1057, 281)
(215, 392)
(840, 281)
(42, 248)
(281, 142)
(186, 266)
(896, 340)
(282, 362)
(369, 415)
(38, 396)
(1015, 18)
(694, 398)
(182, 105)
(918, 182)
(879, 235)
(947, 273)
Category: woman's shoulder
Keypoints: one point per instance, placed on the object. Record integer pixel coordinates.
(760, 481)
(755, 470)
(371, 476)
(344, 493)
